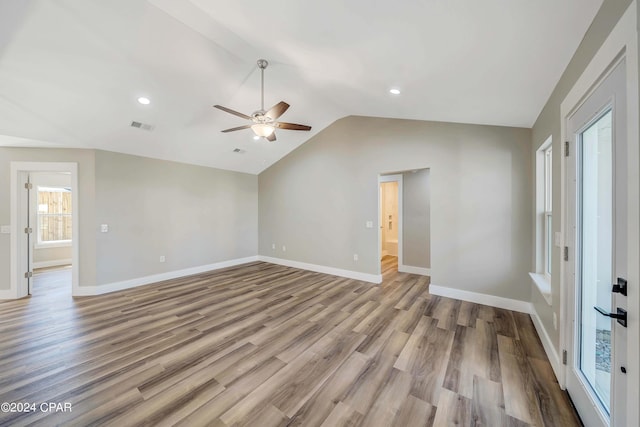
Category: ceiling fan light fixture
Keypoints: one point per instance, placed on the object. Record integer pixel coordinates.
(263, 130)
(264, 122)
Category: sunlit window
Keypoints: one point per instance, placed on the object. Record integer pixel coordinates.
(548, 216)
(54, 215)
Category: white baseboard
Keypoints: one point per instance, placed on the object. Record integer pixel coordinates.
(478, 298)
(549, 349)
(414, 270)
(52, 263)
(140, 281)
(372, 278)
(7, 294)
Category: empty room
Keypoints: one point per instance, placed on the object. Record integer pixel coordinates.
(421, 213)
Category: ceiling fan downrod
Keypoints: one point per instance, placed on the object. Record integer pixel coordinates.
(262, 64)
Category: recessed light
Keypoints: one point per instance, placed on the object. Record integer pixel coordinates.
(256, 137)
(394, 91)
(144, 101)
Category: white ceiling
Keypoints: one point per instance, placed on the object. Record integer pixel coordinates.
(71, 70)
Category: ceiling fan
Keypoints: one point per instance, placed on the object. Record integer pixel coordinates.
(264, 122)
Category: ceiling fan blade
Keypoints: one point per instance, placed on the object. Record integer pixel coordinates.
(237, 128)
(271, 137)
(230, 111)
(277, 110)
(291, 126)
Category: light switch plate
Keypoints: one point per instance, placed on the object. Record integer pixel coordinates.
(369, 224)
(5, 229)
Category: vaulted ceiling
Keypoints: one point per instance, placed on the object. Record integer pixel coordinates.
(71, 71)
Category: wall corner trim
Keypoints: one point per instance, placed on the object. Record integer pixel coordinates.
(478, 298)
(371, 278)
(147, 280)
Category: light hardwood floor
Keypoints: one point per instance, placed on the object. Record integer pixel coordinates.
(266, 345)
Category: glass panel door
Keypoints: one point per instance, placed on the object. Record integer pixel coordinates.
(595, 192)
(596, 232)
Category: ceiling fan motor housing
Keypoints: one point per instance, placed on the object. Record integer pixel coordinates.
(261, 117)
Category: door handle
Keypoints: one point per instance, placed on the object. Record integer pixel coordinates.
(620, 287)
(620, 315)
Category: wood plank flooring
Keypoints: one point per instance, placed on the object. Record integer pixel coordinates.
(266, 345)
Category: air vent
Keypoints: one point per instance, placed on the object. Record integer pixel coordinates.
(142, 126)
(239, 151)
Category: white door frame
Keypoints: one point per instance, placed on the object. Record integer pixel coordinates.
(622, 41)
(17, 211)
(390, 178)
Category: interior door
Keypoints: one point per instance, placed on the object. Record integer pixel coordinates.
(597, 253)
(25, 233)
(383, 236)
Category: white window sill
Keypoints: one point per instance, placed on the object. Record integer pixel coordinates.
(543, 284)
(58, 244)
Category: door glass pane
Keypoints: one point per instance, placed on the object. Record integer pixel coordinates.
(596, 230)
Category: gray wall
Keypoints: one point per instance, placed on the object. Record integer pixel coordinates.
(548, 123)
(86, 183)
(416, 233)
(192, 215)
(316, 200)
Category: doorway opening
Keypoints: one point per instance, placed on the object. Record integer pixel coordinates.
(45, 225)
(404, 238)
(51, 205)
(389, 223)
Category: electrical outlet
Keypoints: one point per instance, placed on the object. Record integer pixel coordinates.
(104, 228)
(355, 257)
(162, 258)
(369, 224)
(273, 246)
(5, 229)
(284, 248)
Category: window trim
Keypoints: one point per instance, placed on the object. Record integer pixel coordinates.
(547, 235)
(543, 211)
(53, 244)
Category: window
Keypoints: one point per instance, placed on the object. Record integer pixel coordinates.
(548, 215)
(54, 215)
(544, 220)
